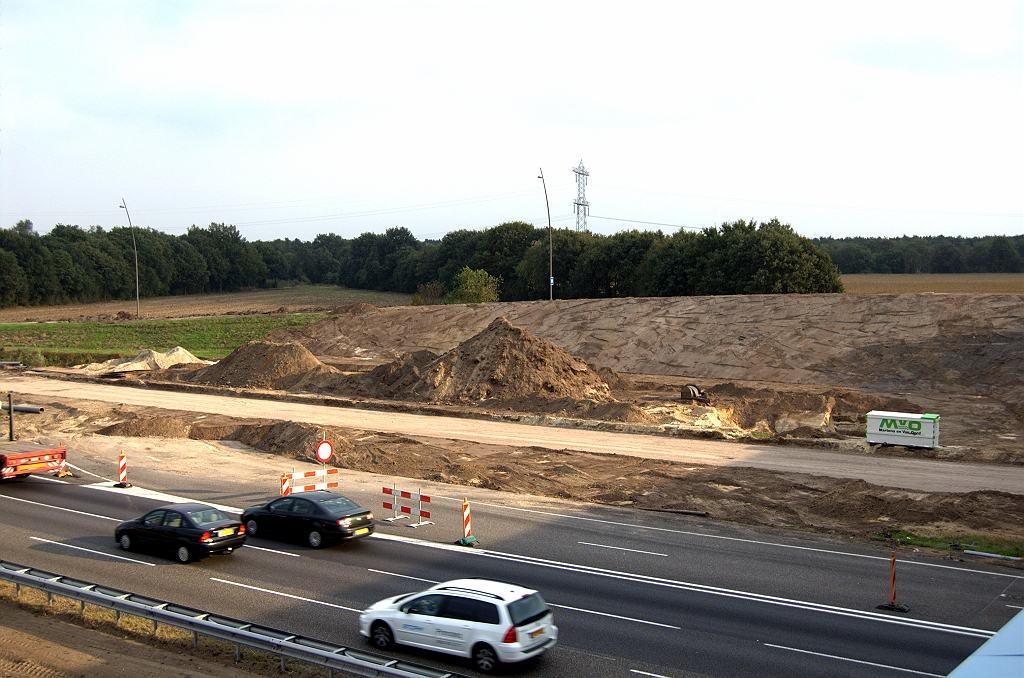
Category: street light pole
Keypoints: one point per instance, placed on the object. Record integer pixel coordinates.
(551, 247)
(124, 206)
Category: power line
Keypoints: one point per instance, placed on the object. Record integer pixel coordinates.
(651, 223)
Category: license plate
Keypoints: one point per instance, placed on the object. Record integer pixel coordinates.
(538, 632)
(362, 530)
(224, 533)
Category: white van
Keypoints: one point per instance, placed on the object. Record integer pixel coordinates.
(489, 621)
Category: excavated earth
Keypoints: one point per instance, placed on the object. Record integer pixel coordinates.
(751, 496)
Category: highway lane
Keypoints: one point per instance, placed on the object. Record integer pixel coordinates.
(719, 636)
(804, 567)
(916, 474)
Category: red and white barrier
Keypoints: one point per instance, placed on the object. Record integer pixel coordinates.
(401, 512)
(467, 526)
(309, 481)
(122, 471)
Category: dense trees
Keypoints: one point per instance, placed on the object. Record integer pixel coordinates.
(509, 261)
(939, 254)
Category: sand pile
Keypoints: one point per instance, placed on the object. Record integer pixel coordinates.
(145, 360)
(505, 362)
(263, 364)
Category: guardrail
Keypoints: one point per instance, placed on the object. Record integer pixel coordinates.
(240, 633)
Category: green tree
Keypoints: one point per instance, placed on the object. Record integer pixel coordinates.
(13, 281)
(473, 287)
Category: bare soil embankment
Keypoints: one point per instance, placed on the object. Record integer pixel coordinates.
(744, 495)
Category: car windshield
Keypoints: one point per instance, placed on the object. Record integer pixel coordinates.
(210, 516)
(527, 609)
(338, 504)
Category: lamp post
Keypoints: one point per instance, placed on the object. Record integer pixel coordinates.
(124, 206)
(551, 247)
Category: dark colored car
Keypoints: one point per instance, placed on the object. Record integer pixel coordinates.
(315, 518)
(189, 531)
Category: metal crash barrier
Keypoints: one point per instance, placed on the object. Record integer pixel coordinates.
(240, 633)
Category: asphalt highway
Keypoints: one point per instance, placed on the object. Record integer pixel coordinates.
(633, 595)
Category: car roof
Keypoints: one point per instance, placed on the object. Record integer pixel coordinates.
(486, 587)
(186, 507)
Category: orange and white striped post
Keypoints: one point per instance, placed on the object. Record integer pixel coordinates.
(892, 604)
(122, 471)
(467, 525)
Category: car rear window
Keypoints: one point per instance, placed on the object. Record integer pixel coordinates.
(210, 516)
(338, 504)
(527, 609)
(468, 609)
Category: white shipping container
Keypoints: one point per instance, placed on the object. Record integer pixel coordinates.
(901, 428)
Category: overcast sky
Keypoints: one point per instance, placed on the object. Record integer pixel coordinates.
(290, 119)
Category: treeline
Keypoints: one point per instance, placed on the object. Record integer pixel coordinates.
(939, 254)
(72, 264)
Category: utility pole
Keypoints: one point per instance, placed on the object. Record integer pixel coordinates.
(551, 247)
(124, 206)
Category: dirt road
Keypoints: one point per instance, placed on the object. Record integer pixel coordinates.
(913, 474)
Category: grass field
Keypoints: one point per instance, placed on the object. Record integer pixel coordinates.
(78, 342)
(305, 298)
(968, 283)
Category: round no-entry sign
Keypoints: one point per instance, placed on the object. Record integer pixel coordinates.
(324, 451)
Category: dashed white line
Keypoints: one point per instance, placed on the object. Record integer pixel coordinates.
(621, 548)
(61, 508)
(79, 468)
(613, 616)
(647, 673)
(694, 587)
(403, 576)
(282, 553)
(856, 661)
(722, 537)
(1016, 607)
(99, 553)
(285, 595)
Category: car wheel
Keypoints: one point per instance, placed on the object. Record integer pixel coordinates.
(484, 658)
(315, 539)
(126, 542)
(251, 528)
(184, 555)
(381, 636)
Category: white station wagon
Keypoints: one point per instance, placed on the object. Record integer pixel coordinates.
(489, 621)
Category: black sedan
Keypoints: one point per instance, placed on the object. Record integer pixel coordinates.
(316, 518)
(189, 531)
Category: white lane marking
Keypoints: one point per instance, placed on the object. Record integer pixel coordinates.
(646, 673)
(613, 616)
(403, 576)
(38, 476)
(79, 468)
(99, 553)
(620, 548)
(159, 496)
(61, 508)
(285, 595)
(697, 588)
(1016, 607)
(550, 604)
(857, 661)
(737, 539)
(260, 548)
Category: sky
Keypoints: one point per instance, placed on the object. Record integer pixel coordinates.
(291, 119)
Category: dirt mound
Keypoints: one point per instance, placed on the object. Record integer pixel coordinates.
(263, 364)
(145, 360)
(615, 381)
(503, 362)
(390, 379)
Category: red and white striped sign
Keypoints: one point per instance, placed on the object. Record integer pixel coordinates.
(398, 508)
(321, 479)
(122, 470)
(467, 523)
